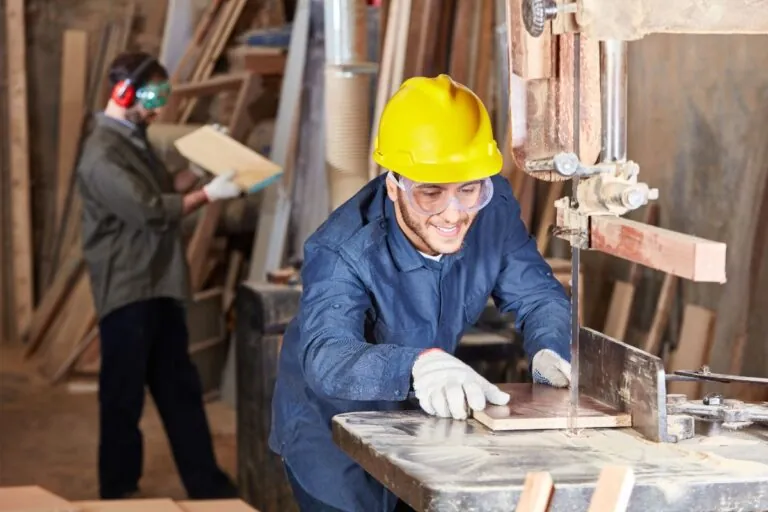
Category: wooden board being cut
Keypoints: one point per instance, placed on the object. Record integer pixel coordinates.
(542, 407)
(217, 153)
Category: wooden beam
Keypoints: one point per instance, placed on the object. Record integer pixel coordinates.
(18, 128)
(635, 19)
(217, 84)
(682, 255)
(536, 494)
(613, 489)
(74, 70)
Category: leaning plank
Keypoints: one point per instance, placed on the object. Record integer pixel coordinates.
(54, 298)
(536, 493)
(73, 323)
(634, 19)
(199, 245)
(74, 70)
(696, 335)
(613, 489)
(682, 255)
(541, 407)
(269, 242)
(18, 159)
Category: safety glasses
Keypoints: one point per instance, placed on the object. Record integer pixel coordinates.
(154, 95)
(435, 198)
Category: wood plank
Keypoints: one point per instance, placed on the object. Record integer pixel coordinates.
(53, 299)
(71, 327)
(18, 162)
(542, 407)
(682, 255)
(536, 494)
(667, 297)
(217, 153)
(620, 308)
(235, 8)
(613, 489)
(148, 505)
(199, 245)
(215, 506)
(269, 242)
(634, 19)
(74, 72)
(531, 57)
(696, 335)
(32, 498)
(213, 85)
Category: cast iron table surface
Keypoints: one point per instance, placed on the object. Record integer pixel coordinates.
(444, 465)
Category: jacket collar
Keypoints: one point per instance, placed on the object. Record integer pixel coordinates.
(121, 126)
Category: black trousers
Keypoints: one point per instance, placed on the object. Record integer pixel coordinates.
(146, 343)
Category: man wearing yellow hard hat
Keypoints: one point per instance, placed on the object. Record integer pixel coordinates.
(391, 281)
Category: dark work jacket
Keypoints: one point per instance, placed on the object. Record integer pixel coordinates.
(371, 304)
(131, 219)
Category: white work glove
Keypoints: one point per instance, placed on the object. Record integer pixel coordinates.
(550, 368)
(222, 187)
(442, 384)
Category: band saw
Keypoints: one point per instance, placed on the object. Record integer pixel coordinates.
(568, 75)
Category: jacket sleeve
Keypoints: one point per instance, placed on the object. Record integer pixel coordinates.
(129, 199)
(336, 360)
(527, 287)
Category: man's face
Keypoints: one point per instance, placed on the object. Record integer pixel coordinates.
(440, 233)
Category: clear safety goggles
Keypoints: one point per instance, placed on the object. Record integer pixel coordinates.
(435, 198)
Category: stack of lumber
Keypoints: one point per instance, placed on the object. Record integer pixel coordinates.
(33, 498)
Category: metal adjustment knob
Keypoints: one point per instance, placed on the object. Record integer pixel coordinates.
(537, 12)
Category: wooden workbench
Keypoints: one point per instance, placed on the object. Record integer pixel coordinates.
(438, 464)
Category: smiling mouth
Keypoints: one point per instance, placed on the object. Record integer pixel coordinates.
(447, 231)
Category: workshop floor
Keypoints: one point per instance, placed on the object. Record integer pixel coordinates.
(49, 436)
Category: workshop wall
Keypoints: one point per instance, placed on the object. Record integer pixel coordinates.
(698, 127)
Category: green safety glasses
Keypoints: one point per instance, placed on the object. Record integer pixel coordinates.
(153, 95)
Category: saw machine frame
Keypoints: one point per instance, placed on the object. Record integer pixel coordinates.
(634, 381)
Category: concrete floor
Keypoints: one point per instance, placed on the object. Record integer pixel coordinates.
(49, 436)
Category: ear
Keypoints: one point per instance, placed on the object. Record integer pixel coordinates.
(391, 189)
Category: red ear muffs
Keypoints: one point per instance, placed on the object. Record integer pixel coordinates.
(123, 93)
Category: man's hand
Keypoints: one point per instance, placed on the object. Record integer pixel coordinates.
(443, 383)
(550, 368)
(222, 187)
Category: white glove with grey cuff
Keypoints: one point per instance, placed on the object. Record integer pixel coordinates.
(444, 386)
(549, 368)
(222, 187)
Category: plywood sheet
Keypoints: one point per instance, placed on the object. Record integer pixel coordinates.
(31, 498)
(215, 506)
(542, 407)
(217, 153)
(139, 505)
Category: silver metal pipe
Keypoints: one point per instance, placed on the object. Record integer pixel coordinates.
(345, 32)
(613, 92)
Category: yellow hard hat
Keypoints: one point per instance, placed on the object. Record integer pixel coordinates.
(435, 130)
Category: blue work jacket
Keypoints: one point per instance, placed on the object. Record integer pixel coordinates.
(371, 304)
